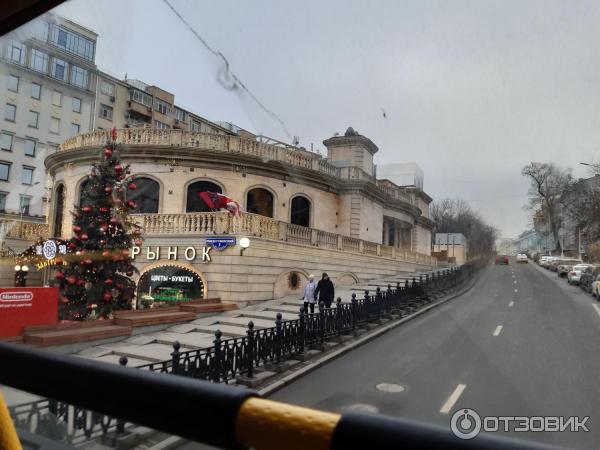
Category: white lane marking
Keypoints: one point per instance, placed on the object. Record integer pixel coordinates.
(498, 330)
(515, 281)
(511, 304)
(446, 407)
(596, 308)
(516, 290)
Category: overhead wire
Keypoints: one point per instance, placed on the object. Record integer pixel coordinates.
(228, 71)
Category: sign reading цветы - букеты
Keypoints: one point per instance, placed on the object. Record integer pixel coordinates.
(173, 252)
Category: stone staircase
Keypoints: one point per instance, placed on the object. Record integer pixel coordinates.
(200, 333)
(126, 323)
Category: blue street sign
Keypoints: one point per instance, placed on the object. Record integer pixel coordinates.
(220, 243)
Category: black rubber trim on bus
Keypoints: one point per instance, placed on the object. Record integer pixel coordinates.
(360, 431)
(194, 409)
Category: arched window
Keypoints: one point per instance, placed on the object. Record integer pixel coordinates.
(146, 195)
(194, 203)
(59, 200)
(85, 196)
(260, 201)
(300, 211)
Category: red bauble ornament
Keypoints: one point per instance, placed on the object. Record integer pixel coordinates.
(107, 296)
(137, 242)
(118, 168)
(80, 282)
(84, 237)
(76, 228)
(108, 152)
(120, 190)
(125, 252)
(129, 273)
(120, 286)
(87, 261)
(105, 253)
(132, 186)
(72, 245)
(87, 209)
(113, 133)
(59, 275)
(114, 220)
(103, 210)
(64, 299)
(71, 279)
(108, 281)
(131, 204)
(108, 189)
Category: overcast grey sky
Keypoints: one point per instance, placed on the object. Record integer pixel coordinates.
(473, 90)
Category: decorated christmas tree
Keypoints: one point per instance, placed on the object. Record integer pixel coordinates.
(94, 278)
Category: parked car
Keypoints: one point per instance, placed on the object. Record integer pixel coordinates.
(574, 275)
(596, 287)
(502, 259)
(546, 260)
(588, 277)
(522, 258)
(563, 269)
(567, 263)
(564, 266)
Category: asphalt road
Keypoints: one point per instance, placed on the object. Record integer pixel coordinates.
(520, 343)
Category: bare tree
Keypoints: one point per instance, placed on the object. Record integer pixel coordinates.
(456, 216)
(582, 204)
(548, 185)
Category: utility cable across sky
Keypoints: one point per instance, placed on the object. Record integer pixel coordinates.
(234, 82)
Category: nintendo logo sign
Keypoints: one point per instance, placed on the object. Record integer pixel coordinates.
(8, 297)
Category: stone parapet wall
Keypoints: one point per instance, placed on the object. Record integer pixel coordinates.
(262, 272)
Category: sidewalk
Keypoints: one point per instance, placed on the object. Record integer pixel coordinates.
(158, 345)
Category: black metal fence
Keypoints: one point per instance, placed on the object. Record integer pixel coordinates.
(230, 359)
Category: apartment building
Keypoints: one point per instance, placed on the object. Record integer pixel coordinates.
(131, 103)
(47, 94)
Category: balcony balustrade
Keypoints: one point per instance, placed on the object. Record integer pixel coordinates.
(247, 224)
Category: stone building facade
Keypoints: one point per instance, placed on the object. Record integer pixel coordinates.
(304, 213)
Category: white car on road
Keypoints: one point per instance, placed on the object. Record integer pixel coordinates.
(574, 275)
(522, 258)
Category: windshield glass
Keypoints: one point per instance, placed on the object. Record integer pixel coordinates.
(347, 206)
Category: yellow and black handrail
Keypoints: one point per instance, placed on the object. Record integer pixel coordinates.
(215, 414)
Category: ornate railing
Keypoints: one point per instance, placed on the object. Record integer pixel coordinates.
(217, 142)
(29, 231)
(227, 143)
(238, 358)
(351, 244)
(327, 240)
(298, 234)
(62, 421)
(370, 248)
(218, 223)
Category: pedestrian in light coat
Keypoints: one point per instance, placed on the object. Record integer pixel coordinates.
(325, 290)
(310, 296)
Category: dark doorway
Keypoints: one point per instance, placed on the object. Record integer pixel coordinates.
(300, 211)
(260, 201)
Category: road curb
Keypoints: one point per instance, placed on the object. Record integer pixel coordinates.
(369, 336)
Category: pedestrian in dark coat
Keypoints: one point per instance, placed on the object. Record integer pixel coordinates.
(325, 290)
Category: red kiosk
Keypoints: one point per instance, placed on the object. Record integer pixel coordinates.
(24, 306)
